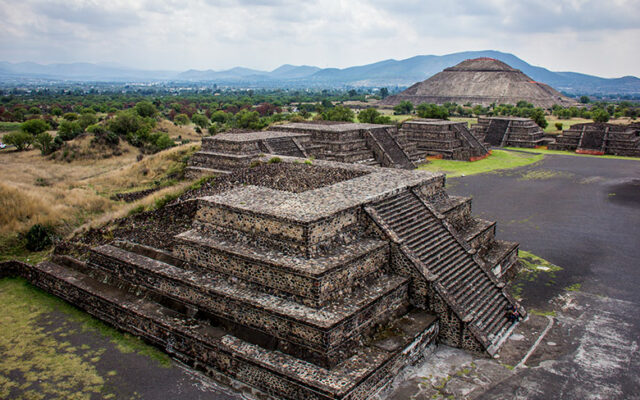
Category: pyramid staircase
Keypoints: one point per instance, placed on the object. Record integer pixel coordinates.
(457, 274)
(388, 151)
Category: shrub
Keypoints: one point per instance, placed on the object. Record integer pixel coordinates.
(274, 160)
(404, 107)
(373, 116)
(39, 237)
(425, 110)
(163, 141)
(34, 126)
(200, 120)
(146, 109)
(70, 116)
(69, 130)
(559, 126)
(44, 142)
(338, 113)
(181, 119)
(22, 140)
(537, 116)
(213, 129)
(600, 115)
(87, 119)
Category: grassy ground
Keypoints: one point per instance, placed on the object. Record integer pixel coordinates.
(35, 189)
(39, 358)
(569, 153)
(498, 160)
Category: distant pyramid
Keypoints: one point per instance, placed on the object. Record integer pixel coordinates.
(481, 81)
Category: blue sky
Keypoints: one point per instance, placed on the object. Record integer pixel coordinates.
(595, 37)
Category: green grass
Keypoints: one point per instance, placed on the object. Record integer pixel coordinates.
(574, 288)
(570, 153)
(566, 123)
(36, 362)
(498, 160)
(9, 126)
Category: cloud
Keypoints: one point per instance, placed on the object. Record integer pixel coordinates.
(218, 34)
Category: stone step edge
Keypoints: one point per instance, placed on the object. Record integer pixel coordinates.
(315, 380)
(321, 319)
(292, 264)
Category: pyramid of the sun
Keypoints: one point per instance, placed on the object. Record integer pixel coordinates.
(481, 81)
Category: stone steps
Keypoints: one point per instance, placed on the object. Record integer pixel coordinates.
(199, 172)
(232, 359)
(323, 336)
(465, 283)
(311, 281)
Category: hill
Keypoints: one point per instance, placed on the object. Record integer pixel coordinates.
(389, 73)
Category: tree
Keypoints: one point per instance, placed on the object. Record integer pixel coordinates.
(22, 140)
(384, 92)
(425, 110)
(68, 130)
(404, 107)
(537, 116)
(599, 115)
(373, 116)
(338, 113)
(125, 123)
(44, 142)
(181, 119)
(585, 99)
(70, 116)
(220, 116)
(35, 126)
(200, 120)
(87, 119)
(559, 126)
(57, 111)
(146, 109)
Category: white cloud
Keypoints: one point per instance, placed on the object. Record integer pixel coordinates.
(582, 35)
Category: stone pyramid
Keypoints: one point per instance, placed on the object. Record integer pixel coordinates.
(481, 81)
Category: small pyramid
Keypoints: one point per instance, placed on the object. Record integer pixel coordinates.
(481, 81)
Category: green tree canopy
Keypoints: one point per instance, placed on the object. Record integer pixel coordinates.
(425, 110)
(404, 107)
(35, 126)
(338, 113)
(373, 116)
(146, 109)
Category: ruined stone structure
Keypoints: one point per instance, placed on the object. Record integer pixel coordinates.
(224, 152)
(481, 81)
(319, 294)
(509, 131)
(369, 144)
(600, 138)
(452, 140)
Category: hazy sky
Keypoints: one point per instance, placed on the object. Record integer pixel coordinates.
(589, 36)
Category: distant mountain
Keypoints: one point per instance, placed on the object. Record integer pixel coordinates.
(389, 73)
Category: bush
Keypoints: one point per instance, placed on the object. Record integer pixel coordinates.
(181, 119)
(404, 107)
(425, 110)
(146, 109)
(70, 116)
(39, 237)
(163, 141)
(338, 113)
(373, 116)
(103, 136)
(599, 115)
(559, 126)
(274, 160)
(537, 116)
(22, 140)
(45, 143)
(69, 130)
(200, 120)
(35, 126)
(87, 119)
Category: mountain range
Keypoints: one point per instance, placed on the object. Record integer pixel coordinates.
(389, 73)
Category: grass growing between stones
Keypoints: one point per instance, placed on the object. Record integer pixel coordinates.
(498, 160)
(38, 362)
(533, 269)
(569, 153)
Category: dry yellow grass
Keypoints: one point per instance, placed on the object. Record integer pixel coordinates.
(35, 189)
